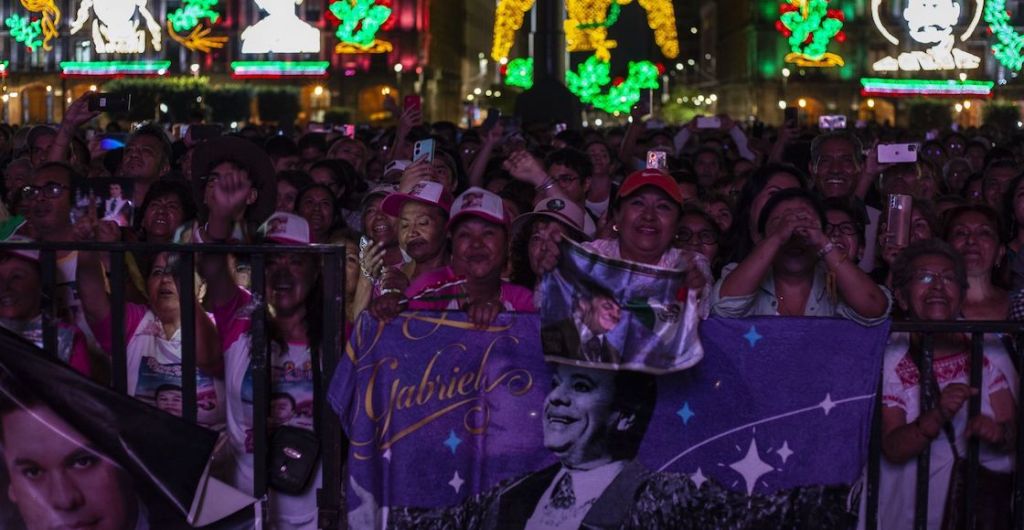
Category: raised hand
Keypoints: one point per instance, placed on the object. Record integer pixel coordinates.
(232, 192)
(419, 171)
(78, 112)
(523, 166)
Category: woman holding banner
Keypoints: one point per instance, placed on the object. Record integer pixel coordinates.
(796, 270)
(479, 231)
(644, 218)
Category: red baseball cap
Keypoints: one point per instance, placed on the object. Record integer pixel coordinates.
(651, 177)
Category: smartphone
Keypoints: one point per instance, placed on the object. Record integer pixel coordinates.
(205, 132)
(348, 130)
(832, 122)
(897, 153)
(413, 101)
(109, 102)
(790, 115)
(316, 127)
(657, 160)
(423, 150)
(493, 115)
(560, 127)
(709, 122)
(899, 219)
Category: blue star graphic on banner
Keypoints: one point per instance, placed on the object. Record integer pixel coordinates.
(453, 441)
(753, 336)
(685, 413)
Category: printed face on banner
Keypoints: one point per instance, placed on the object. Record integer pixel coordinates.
(938, 25)
(115, 26)
(282, 31)
(57, 480)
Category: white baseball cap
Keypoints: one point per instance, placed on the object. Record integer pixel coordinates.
(481, 203)
(286, 229)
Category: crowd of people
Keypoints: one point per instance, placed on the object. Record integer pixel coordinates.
(761, 221)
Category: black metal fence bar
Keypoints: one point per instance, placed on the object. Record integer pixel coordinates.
(973, 445)
(260, 378)
(1018, 488)
(329, 427)
(48, 260)
(924, 459)
(874, 464)
(118, 353)
(187, 304)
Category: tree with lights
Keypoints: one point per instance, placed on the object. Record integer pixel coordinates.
(359, 22)
(809, 26)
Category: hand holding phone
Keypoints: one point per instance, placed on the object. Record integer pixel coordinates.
(898, 221)
(709, 122)
(423, 150)
(109, 102)
(897, 153)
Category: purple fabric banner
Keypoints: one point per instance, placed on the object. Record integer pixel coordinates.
(454, 427)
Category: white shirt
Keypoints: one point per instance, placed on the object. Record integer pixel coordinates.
(587, 486)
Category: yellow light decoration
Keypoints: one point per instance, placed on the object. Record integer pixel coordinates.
(507, 20)
(661, 18)
(50, 18)
(587, 23)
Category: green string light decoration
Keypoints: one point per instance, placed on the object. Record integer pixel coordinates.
(519, 72)
(591, 78)
(196, 17)
(25, 31)
(187, 16)
(360, 22)
(1009, 44)
(622, 97)
(809, 26)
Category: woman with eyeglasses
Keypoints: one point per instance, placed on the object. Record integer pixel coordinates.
(795, 269)
(930, 280)
(699, 233)
(976, 233)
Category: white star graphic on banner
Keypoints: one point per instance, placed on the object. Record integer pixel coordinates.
(827, 404)
(456, 482)
(698, 478)
(785, 452)
(387, 455)
(751, 467)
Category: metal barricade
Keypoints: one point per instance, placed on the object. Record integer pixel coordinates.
(329, 497)
(977, 331)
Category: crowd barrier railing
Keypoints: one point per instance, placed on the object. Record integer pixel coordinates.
(330, 496)
(328, 428)
(977, 331)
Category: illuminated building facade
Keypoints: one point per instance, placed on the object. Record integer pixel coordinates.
(348, 56)
(874, 58)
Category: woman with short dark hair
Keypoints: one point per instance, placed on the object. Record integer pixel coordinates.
(795, 270)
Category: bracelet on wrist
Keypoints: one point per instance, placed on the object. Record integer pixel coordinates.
(546, 185)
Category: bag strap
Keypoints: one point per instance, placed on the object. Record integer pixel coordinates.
(929, 390)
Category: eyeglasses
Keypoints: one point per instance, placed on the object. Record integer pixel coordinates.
(846, 228)
(928, 277)
(50, 190)
(705, 237)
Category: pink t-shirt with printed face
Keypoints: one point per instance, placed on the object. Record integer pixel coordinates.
(154, 367)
